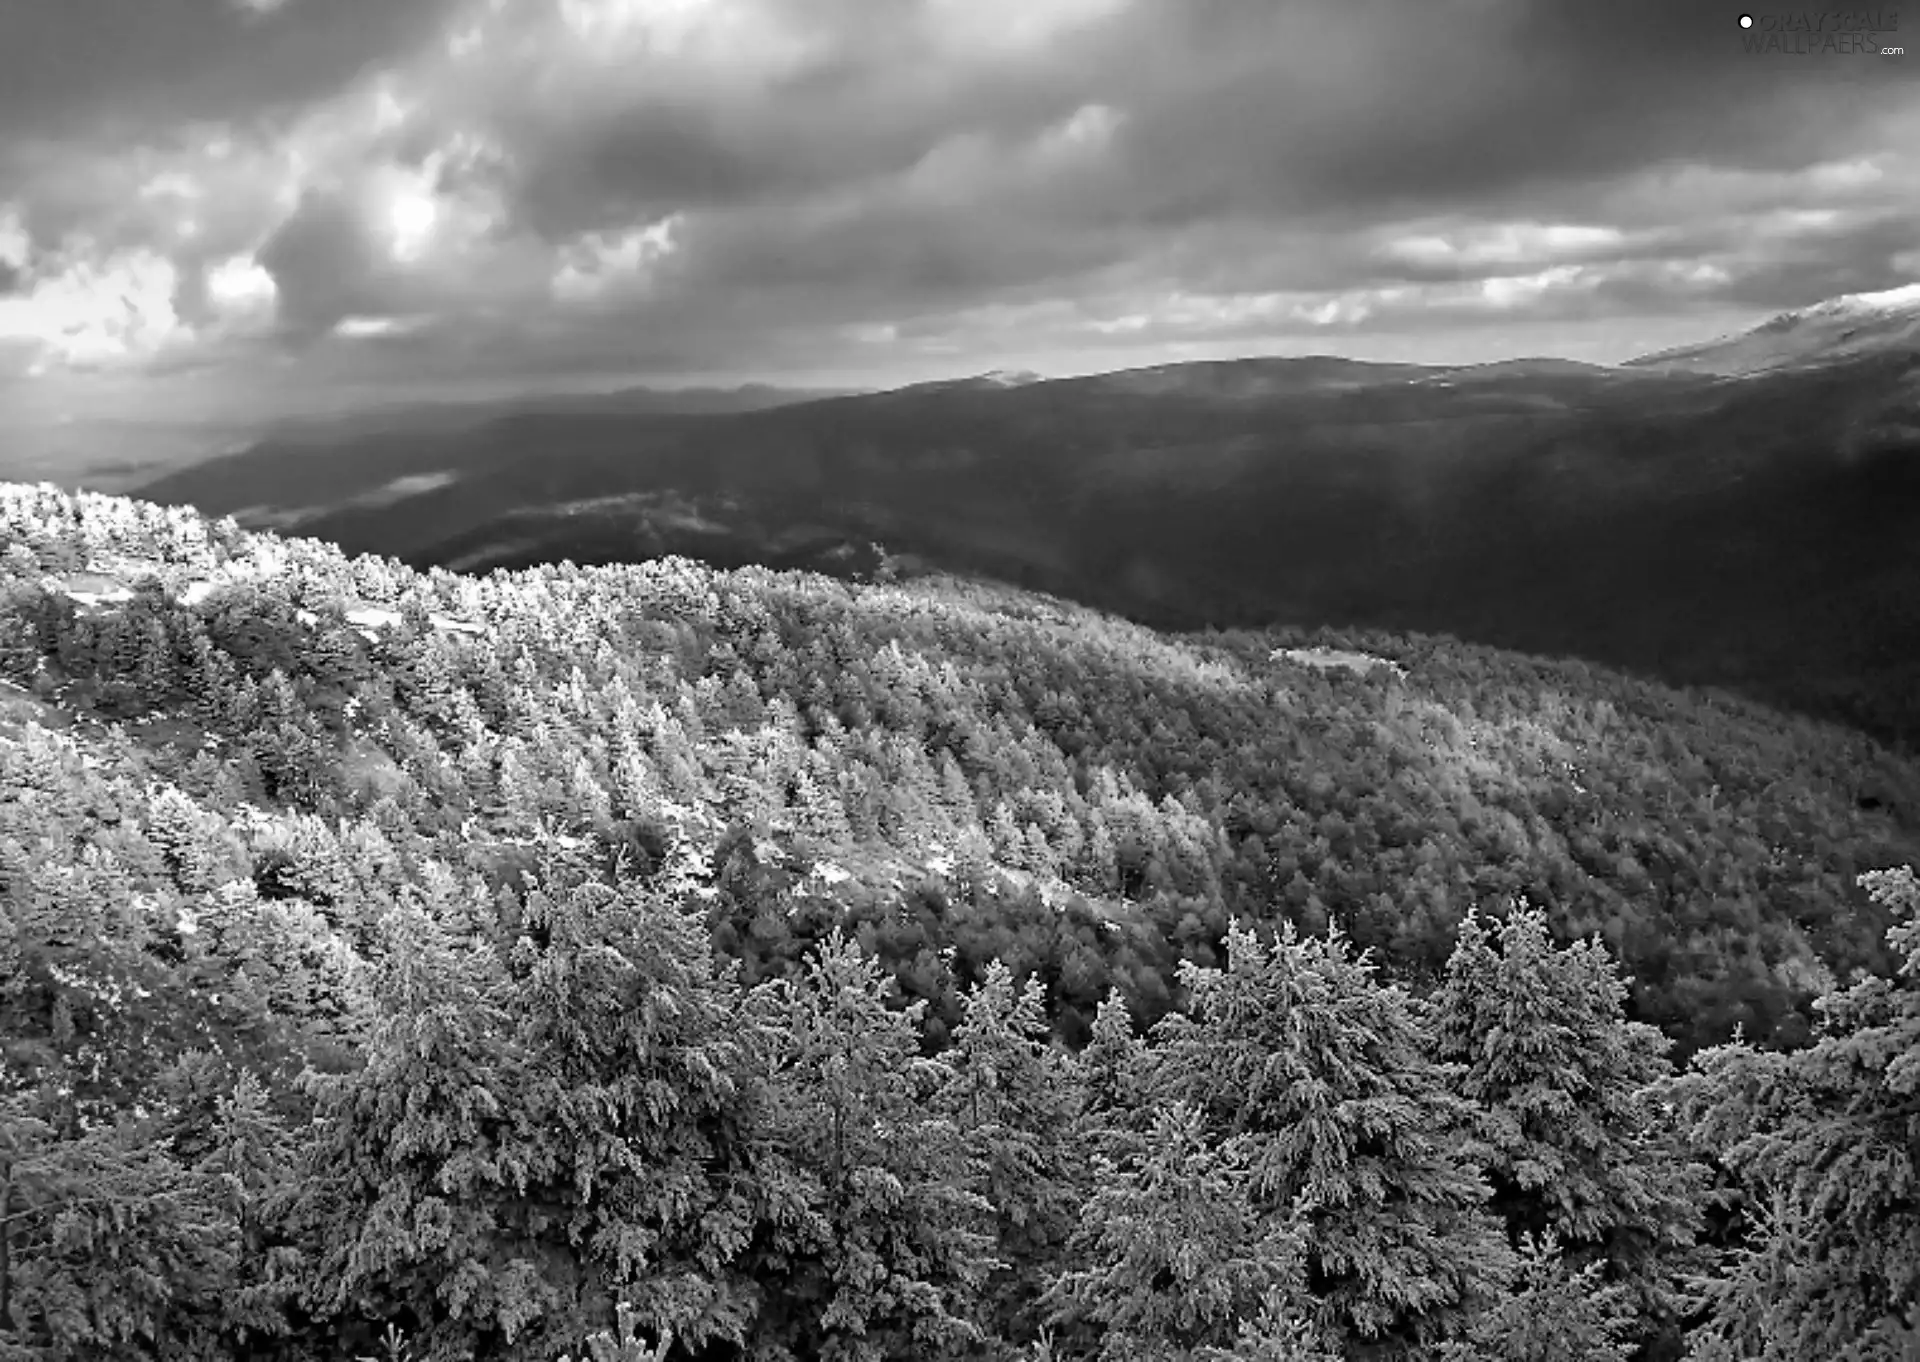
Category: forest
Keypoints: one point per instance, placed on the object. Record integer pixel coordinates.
(655, 962)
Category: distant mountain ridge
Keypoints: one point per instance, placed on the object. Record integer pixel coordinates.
(1852, 326)
(107, 454)
(1753, 529)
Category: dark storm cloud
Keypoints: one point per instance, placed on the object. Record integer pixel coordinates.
(323, 265)
(1235, 114)
(126, 66)
(534, 188)
(1848, 257)
(873, 100)
(1351, 105)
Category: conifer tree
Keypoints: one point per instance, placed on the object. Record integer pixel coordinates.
(436, 1092)
(1110, 1067)
(875, 1243)
(1554, 1313)
(1013, 1103)
(1355, 1134)
(1574, 1140)
(523, 1153)
(248, 1157)
(1825, 1143)
(1280, 1332)
(1178, 1256)
(109, 1245)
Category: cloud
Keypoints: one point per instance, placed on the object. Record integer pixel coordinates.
(14, 247)
(324, 264)
(89, 313)
(107, 68)
(418, 191)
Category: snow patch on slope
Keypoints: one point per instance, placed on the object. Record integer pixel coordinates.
(1854, 304)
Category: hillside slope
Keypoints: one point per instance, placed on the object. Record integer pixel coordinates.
(915, 737)
(1851, 326)
(1754, 533)
(384, 955)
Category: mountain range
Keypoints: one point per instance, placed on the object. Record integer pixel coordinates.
(1740, 513)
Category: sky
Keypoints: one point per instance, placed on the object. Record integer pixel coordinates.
(214, 210)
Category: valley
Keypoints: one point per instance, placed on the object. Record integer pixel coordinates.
(1752, 529)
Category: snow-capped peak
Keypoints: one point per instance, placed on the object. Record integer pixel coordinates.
(1850, 304)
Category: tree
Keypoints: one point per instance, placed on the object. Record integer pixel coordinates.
(1012, 1101)
(1825, 1144)
(1553, 1313)
(109, 1246)
(1574, 1141)
(1111, 1067)
(1178, 1254)
(874, 1243)
(524, 1151)
(1355, 1134)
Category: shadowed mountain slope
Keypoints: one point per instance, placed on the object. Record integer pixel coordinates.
(1757, 533)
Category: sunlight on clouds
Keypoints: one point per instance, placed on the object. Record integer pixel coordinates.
(1504, 243)
(1280, 310)
(606, 261)
(1284, 312)
(357, 328)
(120, 309)
(962, 170)
(1353, 306)
(1509, 291)
(1838, 175)
(416, 220)
(861, 160)
(1697, 273)
(239, 287)
(1189, 310)
(461, 179)
(411, 215)
(14, 244)
(736, 36)
(338, 136)
(445, 203)
(1800, 221)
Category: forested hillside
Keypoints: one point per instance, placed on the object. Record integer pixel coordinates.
(1751, 533)
(654, 961)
